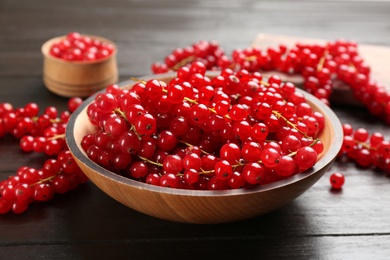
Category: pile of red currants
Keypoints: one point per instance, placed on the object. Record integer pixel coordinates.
(77, 47)
(42, 133)
(322, 66)
(231, 131)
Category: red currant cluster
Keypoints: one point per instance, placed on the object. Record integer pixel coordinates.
(76, 47)
(194, 132)
(208, 53)
(367, 150)
(321, 65)
(39, 133)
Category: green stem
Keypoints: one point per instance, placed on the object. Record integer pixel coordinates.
(279, 115)
(44, 180)
(150, 161)
(61, 136)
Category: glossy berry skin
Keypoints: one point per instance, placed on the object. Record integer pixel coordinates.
(191, 176)
(153, 89)
(115, 126)
(169, 180)
(145, 124)
(270, 157)
(153, 178)
(230, 152)
(237, 181)
(251, 151)
(253, 173)
(74, 103)
(129, 142)
(286, 166)
(259, 132)
(43, 192)
(173, 164)
(176, 94)
(337, 180)
(305, 158)
(192, 161)
(199, 113)
(138, 170)
(166, 140)
(179, 125)
(223, 170)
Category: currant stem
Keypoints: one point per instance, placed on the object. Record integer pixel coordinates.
(211, 171)
(321, 63)
(132, 127)
(137, 80)
(53, 121)
(183, 62)
(366, 145)
(185, 98)
(279, 115)
(194, 102)
(150, 161)
(44, 180)
(251, 58)
(61, 136)
(311, 145)
(190, 145)
(121, 113)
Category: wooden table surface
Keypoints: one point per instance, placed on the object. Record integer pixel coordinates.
(87, 224)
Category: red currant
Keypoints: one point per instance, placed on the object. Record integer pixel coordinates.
(337, 180)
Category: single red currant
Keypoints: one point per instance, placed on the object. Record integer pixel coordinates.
(337, 180)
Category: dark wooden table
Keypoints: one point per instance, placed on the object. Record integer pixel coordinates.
(87, 224)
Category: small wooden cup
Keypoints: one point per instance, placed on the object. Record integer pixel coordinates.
(78, 78)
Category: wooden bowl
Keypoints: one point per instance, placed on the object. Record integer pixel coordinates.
(197, 206)
(78, 78)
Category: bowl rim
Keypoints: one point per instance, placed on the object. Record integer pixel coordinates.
(324, 161)
(45, 49)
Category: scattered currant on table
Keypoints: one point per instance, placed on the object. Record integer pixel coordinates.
(77, 47)
(194, 132)
(42, 133)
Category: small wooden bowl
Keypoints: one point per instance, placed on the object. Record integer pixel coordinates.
(196, 206)
(78, 78)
